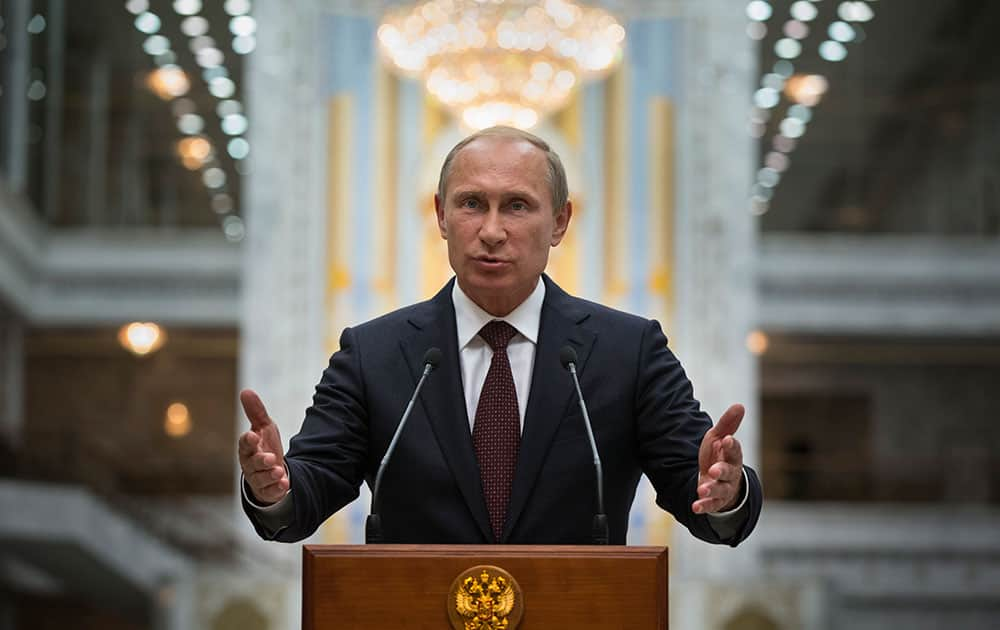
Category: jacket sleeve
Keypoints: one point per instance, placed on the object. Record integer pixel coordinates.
(326, 460)
(670, 425)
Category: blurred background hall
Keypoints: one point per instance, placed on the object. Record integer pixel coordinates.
(197, 196)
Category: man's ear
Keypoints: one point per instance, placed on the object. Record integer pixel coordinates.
(439, 210)
(562, 223)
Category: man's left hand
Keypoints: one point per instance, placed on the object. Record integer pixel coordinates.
(720, 465)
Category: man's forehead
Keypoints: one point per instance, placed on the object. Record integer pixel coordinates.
(519, 147)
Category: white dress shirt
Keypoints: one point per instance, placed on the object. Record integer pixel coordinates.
(475, 354)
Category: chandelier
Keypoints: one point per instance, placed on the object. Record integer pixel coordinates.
(508, 62)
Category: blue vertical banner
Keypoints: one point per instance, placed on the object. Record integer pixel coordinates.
(350, 52)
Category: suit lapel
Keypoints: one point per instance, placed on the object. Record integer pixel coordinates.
(551, 390)
(443, 399)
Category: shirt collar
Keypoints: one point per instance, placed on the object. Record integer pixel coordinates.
(470, 318)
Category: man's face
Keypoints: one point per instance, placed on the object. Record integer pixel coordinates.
(498, 219)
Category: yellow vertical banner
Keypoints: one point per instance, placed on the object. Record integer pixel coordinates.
(384, 193)
(340, 141)
(435, 270)
(615, 187)
(662, 191)
(661, 205)
(564, 263)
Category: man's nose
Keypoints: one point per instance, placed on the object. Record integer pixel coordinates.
(492, 231)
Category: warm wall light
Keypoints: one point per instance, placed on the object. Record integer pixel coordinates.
(806, 89)
(141, 338)
(194, 152)
(168, 82)
(177, 423)
(757, 342)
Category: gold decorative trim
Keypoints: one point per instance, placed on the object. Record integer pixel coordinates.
(485, 597)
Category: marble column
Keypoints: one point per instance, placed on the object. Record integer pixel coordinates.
(715, 244)
(282, 325)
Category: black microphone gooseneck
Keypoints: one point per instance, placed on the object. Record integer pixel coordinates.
(567, 356)
(373, 524)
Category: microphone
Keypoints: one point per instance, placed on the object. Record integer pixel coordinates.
(567, 356)
(373, 524)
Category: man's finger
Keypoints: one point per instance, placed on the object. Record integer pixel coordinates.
(729, 421)
(262, 479)
(262, 461)
(255, 410)
(732, 452)
(707, 506)
(721, 471)
(249, 442)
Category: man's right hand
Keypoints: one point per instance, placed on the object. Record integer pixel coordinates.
(261, 455)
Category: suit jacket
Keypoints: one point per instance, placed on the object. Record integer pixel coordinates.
(645, 417)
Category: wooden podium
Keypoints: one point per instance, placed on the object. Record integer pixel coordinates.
(388, 587)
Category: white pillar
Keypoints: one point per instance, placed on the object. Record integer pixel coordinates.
(716, 281)
(284, 271)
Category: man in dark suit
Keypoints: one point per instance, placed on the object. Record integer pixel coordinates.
(496, 449)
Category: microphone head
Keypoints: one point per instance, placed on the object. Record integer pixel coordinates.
(567, 355)
(433, 357)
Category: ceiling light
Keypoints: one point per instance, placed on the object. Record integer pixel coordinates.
(168, 82)
(190, 124)
(832, 51)
(156, 45)
(222, 203)
(232, 227)
(803, 10)
(234, 124)
(225, 108)
(187, 7)
(238, 148)
(243, 25)
(214, 177)
(135, 7)
(759, 11)
(147, 23)
(244, 44)
(194, 26)
(237, 7)
(221, 87)
(841, 32)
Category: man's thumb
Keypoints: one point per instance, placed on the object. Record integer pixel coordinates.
(254, 409)
(730, 421)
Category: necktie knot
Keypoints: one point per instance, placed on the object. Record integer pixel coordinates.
(498, 334)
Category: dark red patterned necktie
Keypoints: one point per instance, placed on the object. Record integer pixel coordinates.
(496, 433)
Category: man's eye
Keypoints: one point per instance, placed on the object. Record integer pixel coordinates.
(470, 203)
(519, 206)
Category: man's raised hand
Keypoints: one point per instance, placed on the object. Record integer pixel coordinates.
(261, 455)
(720, 465)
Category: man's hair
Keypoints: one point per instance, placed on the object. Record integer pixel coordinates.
(556, 175)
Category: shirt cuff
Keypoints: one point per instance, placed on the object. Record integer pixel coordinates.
(746, 492)
(273, 508)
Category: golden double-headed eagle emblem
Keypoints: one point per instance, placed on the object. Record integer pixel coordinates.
(485, 598)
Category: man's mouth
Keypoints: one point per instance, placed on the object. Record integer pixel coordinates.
(491, 260)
